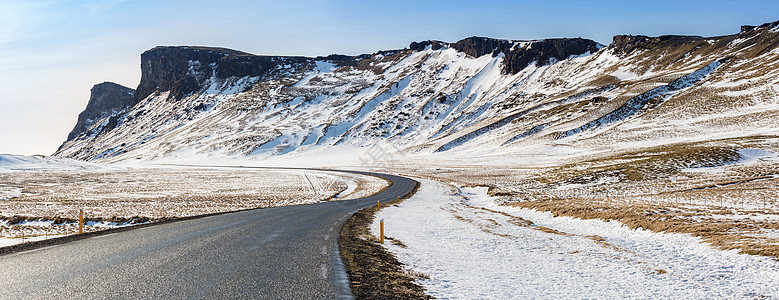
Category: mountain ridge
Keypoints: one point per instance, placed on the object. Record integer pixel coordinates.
(431, 97)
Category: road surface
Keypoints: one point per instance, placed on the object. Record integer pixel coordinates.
(286, 252)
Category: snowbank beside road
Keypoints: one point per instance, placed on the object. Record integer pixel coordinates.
(472, 248)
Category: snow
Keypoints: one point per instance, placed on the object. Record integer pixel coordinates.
(748, 156)
(15, 163)
(767, 233)
(637, 103)
(751, 156)
(585, 54)
(472, 248)
(4, 242)
(43, 230)
(324, 66)
(738, 41)
(10, 192)
(623, 74)
(728, 83)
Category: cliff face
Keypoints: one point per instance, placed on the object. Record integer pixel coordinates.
(542, 51)
(105, 98)
(747, 28)
(185, 70)
(518, 54)
(625, 44)
(755, 40)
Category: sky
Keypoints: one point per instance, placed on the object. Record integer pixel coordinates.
(53, 51)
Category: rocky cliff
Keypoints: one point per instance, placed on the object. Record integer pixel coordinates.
(518, 54)
(624, 44)
(106, 98)
(185, 70)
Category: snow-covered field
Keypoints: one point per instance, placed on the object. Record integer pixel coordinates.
(470, 248)
(725, 195)
(16, 163)
(39, 199)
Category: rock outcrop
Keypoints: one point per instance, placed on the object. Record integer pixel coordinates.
(106, 98)
(518, 54)
(185, 70)
(625, 44)
(747, 28)
(541, 52)
(419, 46)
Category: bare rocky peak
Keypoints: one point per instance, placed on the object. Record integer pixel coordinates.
(105, 98)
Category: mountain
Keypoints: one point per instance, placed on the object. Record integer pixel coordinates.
(478, 96)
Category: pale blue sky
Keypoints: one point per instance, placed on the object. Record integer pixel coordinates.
(52, 52)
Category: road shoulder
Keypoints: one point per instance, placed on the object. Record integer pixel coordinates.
(374, 272)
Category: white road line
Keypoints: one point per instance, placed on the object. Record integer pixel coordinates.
(323, 270)
(40, 249)
(104, 235)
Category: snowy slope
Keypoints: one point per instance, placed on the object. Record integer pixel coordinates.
(13, 163)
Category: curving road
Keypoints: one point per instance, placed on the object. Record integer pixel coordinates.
(283, 252)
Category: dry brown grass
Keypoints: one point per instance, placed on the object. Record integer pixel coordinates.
(603, 81)
(657, 188)
(724, 233)
(654, 162)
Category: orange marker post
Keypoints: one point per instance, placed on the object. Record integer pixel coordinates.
(381, 229)
(80, 221)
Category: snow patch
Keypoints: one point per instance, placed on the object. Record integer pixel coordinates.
(14, 163)
(748, 156)
(623, 74)
(470, 247)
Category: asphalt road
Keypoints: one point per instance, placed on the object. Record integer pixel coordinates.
(283, 252)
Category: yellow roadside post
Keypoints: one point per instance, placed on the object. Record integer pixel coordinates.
(381, 226)
(378, 206)
(80, 221)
